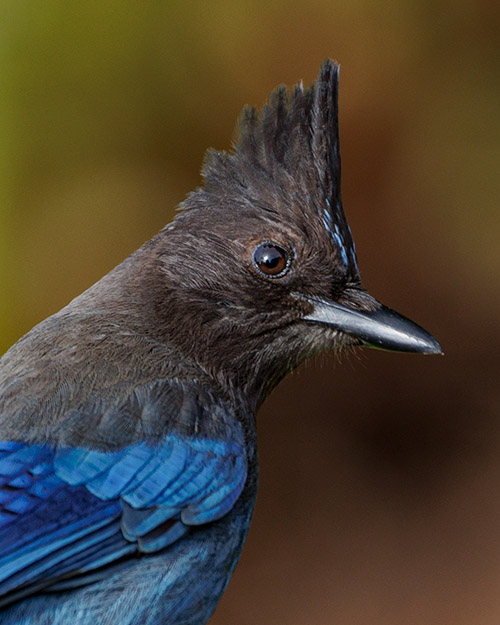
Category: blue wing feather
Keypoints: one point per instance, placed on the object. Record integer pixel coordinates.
(69, 510)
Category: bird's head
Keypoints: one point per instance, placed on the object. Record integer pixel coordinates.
(261, 263)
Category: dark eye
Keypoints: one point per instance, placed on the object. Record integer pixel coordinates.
(271, 259)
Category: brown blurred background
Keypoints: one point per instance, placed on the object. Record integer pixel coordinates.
(380, 476)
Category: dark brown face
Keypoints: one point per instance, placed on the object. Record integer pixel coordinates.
(237, 281)
(259, 297)
(293, 260)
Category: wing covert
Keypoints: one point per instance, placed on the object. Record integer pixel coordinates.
(66, 511)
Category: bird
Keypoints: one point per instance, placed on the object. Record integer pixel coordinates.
(128, 459)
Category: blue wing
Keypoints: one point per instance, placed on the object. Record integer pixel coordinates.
(67, 512)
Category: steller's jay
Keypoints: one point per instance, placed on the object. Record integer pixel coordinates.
(128, 465)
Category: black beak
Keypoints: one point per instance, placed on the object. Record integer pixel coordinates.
(382, 328)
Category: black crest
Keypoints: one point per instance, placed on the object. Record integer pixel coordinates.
(290, 151)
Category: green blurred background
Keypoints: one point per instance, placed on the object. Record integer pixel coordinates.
(380, 476)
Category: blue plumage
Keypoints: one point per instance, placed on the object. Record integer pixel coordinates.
(140, 487)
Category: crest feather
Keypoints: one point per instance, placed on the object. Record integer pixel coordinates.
(296, 131)
(292, 147)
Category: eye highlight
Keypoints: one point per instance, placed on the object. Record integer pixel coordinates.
(271, 259)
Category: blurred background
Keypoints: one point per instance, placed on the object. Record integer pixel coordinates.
(380, 475)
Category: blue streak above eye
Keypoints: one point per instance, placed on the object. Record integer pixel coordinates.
(336, 236)
(335, 232)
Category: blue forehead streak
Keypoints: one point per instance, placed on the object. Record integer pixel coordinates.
(353, 254)
(338, 240)
(336, 234)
